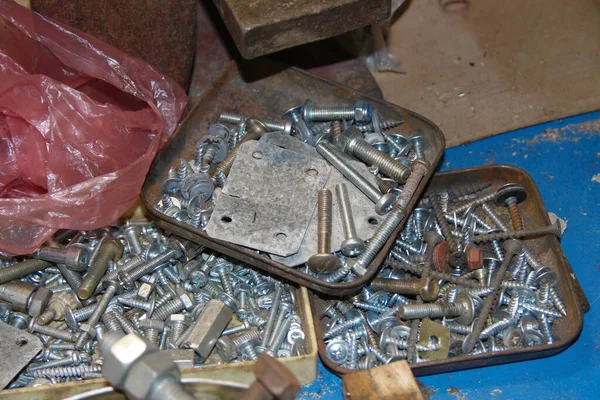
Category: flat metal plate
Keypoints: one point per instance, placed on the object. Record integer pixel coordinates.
(363, 209)
(17, 349)
(433, 332)
(269, 199)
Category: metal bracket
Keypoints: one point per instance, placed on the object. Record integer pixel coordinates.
(17, 348)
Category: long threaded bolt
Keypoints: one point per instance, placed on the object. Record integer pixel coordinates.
(75, 359)
(110, 249)
(255, 130)
(431, 310)
(513, 248)
(112, 323)
(73, 257)
(434, 274)
(151, 265)
(63, 372)
(126, 324)
(352, 245)
(50, 331)
(425, 287)
(355, 145)
(553, 229)
(515, 215)
(459, 328)
(360, 112)
(147, 306)
(22, 269)
(441, 219)
(172, 307)
(371, 307)
(232, 118)
(111, 290)
(73, 278)
(395, 219)
(272, 314)
(128, 266)
(543, 310)
(280, 335)
(225, 282)
(324, 261)
(284, 308)
(383, 203)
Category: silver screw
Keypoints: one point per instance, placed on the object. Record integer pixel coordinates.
(464, 309)
(352, 245)
(232, 118)
(272, 314)
(361, 112)
(295, 114)
(50, 331)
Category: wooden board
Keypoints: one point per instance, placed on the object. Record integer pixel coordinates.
(497, 65)
(385, 382)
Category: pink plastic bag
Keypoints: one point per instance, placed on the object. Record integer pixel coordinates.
(80, 123)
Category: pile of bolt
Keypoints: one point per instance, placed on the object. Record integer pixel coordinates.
(339, 134)
(133, 279)
(465, 276)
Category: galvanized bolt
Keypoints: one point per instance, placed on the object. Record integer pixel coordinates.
(232, 118)
(73, 257)
(510, 195)
(50, 331)
(352, 244)
(361, 112)
(110, 249)
(111, 288)
(463, 309)
(427, 288)
(22, 269)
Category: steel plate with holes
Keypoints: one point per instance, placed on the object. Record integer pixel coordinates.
(17, 349)
(266, 91)
(269, 198)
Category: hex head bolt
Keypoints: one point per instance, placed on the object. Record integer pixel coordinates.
(463, 309)
(512, 247)
(394, 220)
(25, 297)
(425, 287)
(553, 229)
(383, 203)
(510, 195)
(273, 381)
(111, 288)
(50, 331)
(361, 112)
(110, 249)
(22, 269)
(176, 251)
(352, 244)
(324, 261)
(352, 142)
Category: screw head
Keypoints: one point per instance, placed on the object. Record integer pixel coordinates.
(362, 111)
(352, 247)
(512, 337)
(532, 338)
(385, 203)
(468, 306)
(324, 263)
(545, 273)
(430, 290)
(337, 351)
(228, 300)
(510, 190)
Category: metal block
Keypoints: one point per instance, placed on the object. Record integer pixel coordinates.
(269, 199)
(184, 358)
(265, 26)
(204, 332)
(18, 348)
(432, 332)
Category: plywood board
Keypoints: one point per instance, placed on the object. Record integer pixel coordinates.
(496, 65)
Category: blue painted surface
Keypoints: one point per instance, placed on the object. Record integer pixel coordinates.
(563, 164)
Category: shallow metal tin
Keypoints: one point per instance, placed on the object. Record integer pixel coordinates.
(549, 253)
(266, 91)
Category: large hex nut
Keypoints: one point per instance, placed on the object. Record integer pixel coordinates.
(123, 354)
(38, 301)
(148, 372)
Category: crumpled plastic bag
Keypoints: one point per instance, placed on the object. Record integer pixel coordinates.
(80, 123)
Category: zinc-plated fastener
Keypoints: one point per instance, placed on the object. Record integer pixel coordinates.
(352, 244)
(463, 309)
(22, 269)
(361, 112)
(110, 249)
(74, 257)
(427, 288)
(510, 195)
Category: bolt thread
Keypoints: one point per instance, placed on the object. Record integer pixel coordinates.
(411, 352)
(225, 165)
(280, 335)
(172, 307)
(430, 310)
(135, 303)
(212, 288)
(515, 215)
(337, 275)
(513, 306)
(496, 328)
(73, 278)
(324, 221)
(225, 282)
(441, 219)
(546, 230)
(343, 199)
(53, 332)
(126, 324)
(543, 310)
(176, 331)
(182, 170)
(370, 307)
(343, 307)
(111, 322)
(63, 372)
(110, 249)
(171, 275)
(386, 164)
(397, 286)
(22, 269)
(251, 336)
(544, 326)
(385, 186)
(328, 113)
(134, 241)
(419, 150)
(473, 203)
(458, 328)
(353, 350)
(494, 217)
(343, 327)
(383, 125)
(152, 335)
(84, 313)
(220, 178)
(232, 118)
(153, 264)
(128, 266)
(407, 246)
(544, 292)
(557, 301)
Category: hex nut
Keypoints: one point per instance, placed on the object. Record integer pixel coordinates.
(187, 301)
(277, 379)
(38, 301)
(147, 373)
(121, 357)
(145, 291)
(89, 329)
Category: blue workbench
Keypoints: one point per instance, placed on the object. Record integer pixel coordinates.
(563, 157)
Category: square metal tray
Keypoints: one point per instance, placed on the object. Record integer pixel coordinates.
(266, 91)
(547, 249)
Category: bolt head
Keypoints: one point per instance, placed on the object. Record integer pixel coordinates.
(532, 337)
(228, 301)
(352, 247)
(474, 258)
(512, 337)
(179, 319)
(324, 263)
(468, 306)
(38, 301)
(294, 113)
(385, 203)
(510, 190)
(226, 349)
(440, 257)
(362, 111)
(186, 299)
(512, 246)
(545, 273)
(70, 319)
(337, 351)
(430, 290)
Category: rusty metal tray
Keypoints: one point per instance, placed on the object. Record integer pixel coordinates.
(546, 248)
(266, 91)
